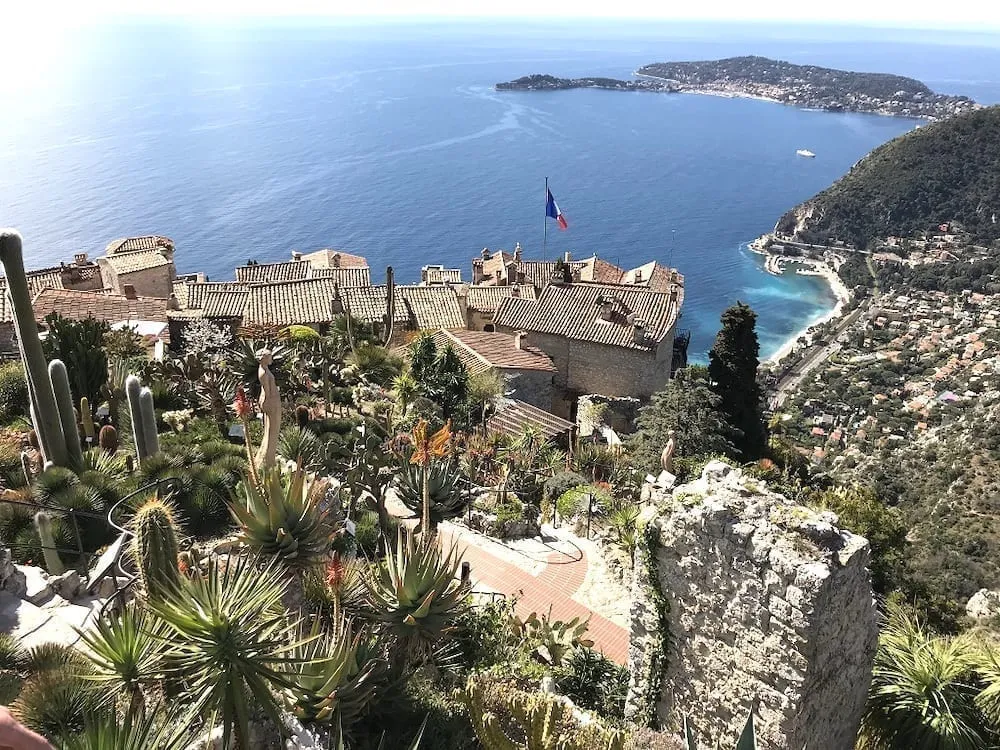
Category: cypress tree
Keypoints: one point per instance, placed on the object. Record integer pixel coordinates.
(732, 367)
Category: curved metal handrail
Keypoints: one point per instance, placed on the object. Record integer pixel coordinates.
(127, 533)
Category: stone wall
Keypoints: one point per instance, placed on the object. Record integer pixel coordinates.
(531, 386)
(586, 367)
(768, 606)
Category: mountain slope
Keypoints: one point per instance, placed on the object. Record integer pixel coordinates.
(948, 171)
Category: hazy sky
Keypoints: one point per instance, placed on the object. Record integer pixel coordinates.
(970, 14)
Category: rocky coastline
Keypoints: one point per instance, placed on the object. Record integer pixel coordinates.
(539, 82)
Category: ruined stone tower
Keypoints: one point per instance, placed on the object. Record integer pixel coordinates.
(766, 605)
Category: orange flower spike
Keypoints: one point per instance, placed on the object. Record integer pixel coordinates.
(421, 445)
(438, 444)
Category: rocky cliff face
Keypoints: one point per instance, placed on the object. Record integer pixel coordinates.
(768, 606)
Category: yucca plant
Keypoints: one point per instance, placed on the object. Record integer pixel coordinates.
(133, 731)
(413, 593)
(332, 680)
(125, 651)
(57, 702)
(281, 518)
(301, 445)
(231, 641)
(924, 691)
(447, 498)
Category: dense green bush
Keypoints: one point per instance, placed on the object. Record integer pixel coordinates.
(13, 392)
(594, 682)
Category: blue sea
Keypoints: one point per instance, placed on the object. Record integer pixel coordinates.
(250, 140)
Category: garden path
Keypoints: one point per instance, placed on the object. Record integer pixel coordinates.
(538, 586)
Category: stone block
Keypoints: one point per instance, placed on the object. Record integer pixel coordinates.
(37, 589)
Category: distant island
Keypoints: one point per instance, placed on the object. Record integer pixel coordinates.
(756, 77)
(539, 82)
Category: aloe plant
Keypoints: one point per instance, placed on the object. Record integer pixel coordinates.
(414, 595)
(447, 499)
(281, 518)
(332, 680)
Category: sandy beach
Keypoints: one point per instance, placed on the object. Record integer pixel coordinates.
(777, 264)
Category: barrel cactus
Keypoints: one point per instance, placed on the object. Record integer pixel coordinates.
(107, 438)
(155, 547)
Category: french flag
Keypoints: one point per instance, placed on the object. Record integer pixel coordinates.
(552, 210)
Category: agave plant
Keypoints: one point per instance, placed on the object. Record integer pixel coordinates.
(231, 641)
(301, 445)
(447, 499)
(332, 679)
(125, 651)
(413, 593)
(281, 517)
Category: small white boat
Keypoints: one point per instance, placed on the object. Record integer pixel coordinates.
(805, 152)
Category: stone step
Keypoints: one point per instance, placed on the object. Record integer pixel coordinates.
(32, 625)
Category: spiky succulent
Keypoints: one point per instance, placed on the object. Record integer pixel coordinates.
(447, 497)
(280, 517)
(413, 593)
(334, 675)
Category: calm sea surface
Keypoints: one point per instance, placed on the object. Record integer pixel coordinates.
(390, 142)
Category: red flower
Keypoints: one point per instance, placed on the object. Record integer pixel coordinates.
(244, 409)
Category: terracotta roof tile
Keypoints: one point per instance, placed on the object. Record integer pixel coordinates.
(197, 292)
(130, 262)
(308, 301)
(348, 276)
(131, 244)
(488, 298)
(328, 258)
(110, 307)
(514, 416)
(265, 273)
(440, 275)
(226, 304)
(481, 351)
(573, 311)
(432, 307)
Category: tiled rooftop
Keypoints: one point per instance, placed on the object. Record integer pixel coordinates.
(514, 416)
(481, 351)
(226, 304)
(125, 263)
(440, 275)
(132, 244)
(328, 258)
(432, 307)
(265, 273)
(573, 311)
(110, 307)
(488, 298)
(347, 276)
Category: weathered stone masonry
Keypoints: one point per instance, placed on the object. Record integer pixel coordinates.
(769, 606)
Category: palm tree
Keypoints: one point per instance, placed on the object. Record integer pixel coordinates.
(924, 692)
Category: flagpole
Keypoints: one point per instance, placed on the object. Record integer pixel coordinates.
(545, 223)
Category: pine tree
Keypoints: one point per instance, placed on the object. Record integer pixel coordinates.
(732, 368)
(689, 407)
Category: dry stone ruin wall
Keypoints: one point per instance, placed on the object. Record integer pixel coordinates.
(765, 604)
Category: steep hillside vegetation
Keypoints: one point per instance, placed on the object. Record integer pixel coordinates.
(945, 172)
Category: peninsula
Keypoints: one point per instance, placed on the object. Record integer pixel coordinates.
(757, 77)
(539, 82)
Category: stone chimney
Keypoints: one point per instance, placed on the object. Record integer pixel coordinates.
(639, 331)
(172, 303)
(519, 277)
(296, 255)
(517, 252)
(80, 259)
(515, 291)
(575, 274)
(568, 257)
(673, 295)
(486, 253)
(336, 304)
(638, 276)
(520, 339)
(129, 291)
(336, 260)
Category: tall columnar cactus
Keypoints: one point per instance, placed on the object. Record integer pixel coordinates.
(44, 412)
(43, 525)
(133, 391)
(29, 475)
(87, 420)
(107, 438)
(150, 436)
(64, 404)
(155, 547)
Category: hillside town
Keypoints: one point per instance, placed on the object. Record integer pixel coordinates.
(557, 329)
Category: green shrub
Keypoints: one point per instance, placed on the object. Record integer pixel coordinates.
(556, 486)
(509, 510)
(575, 502)
(13, 392)
(366, 533)
(484, 635)
(594, 682)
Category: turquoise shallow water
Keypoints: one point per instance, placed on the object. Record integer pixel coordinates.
(248, 142)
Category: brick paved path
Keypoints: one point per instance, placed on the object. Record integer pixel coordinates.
(555, 585)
